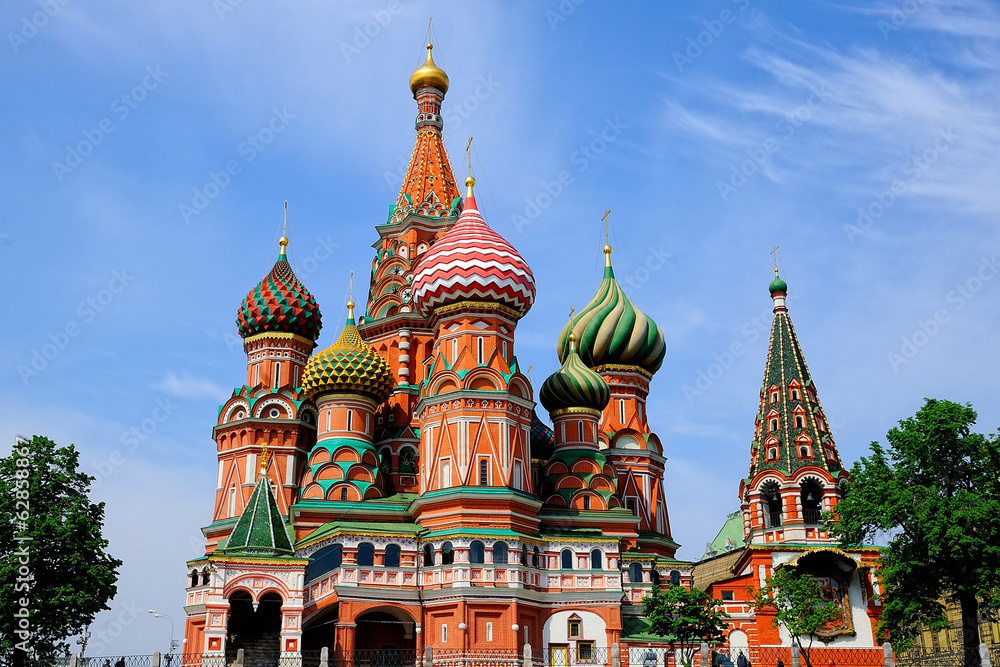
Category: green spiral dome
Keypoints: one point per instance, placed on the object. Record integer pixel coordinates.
(348, 366)
(574, 385)
(611, 330)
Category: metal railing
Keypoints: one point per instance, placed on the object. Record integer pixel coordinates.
(578, 653)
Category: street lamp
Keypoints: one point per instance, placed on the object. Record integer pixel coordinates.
(157, 614)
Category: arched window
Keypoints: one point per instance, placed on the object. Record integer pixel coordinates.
(534, 558)
(194, 578)
(343, 493)
(484, 472)
(567, 559)
(447, 554)
(477, 553)
(392, 556)
(324, 560)
(800, 421)
(675, 578)
(596, 560)
(586, 502)
(366, 554)
(524, 555)
(428, 556)
(774, 424)
(635, 573)
(205, 576)
(500, 553)
(772, 504)
(812, 502)
(654, 576)
(350, 420)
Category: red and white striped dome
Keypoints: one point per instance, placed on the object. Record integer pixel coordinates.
(471, 262)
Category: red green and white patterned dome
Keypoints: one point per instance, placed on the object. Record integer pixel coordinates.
(280, 303)
(471, 262)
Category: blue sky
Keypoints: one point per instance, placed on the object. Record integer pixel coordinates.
(860, 137)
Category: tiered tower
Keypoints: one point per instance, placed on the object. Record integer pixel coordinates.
(795, 470)
(427, 206)
(475, 405)
(626, 347)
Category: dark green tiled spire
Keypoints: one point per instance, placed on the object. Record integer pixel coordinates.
(260, 530)
(791, 430)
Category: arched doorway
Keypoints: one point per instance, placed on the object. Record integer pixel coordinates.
(385, 638)
(319, 631)
(255, 628)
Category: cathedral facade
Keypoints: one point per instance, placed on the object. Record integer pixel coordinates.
(397, 490)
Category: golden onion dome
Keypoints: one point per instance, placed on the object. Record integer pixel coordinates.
(429, 75)
(348, 366)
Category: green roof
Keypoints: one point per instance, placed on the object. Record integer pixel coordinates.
(261, 529)
(730, 536)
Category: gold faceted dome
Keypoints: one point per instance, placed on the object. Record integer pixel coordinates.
(348, 366)
(429, 75)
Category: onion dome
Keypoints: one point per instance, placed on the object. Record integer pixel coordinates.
(280, 303)
(471, 262)
(348, 366)
(574, 385)
(777, 285)
(429, 75)
(612, 331)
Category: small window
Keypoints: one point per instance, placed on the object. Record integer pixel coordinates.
(635, 573)
(804, 451)
(505, 349)
(586, 502)
(675, 578)
(630, 504)
(567, 559)
(477, 554)
(447, 554)
(727, 596)
(194, 578)
(256, 374)
(800, 421)
(534, 558)
(596, 560)
(489, 631)
(232, 500)
(772, 453)
(585, 651)
(205, 577)
(277, 374)
(774, 397)
(428, 556)
(444, 633)
(574, 629)
(794, 394)
(366, 554)
(480, 350)
(454, 349)
(774, 425)
(392, 556)
(621, 410)
(343, 493)
(445, 474)
(484, 472)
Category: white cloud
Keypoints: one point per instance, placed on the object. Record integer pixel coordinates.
(189, 386)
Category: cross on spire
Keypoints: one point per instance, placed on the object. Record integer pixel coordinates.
(774, 258)
(468, 154)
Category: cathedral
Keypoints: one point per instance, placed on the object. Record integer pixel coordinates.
(398, 490)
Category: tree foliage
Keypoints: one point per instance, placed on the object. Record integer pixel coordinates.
(55, 574)
(684, 616)
(936, 491)
(796, 601)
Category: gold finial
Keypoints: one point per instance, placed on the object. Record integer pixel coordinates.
(607, 240)
(283, 241)
(429, 75)
(469, 183)
(265, 456)
(572, 342)
(774, 258)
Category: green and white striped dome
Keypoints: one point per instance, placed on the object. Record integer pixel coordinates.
(610, 330)
(574, 385)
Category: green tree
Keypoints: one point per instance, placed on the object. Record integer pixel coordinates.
(55, 575)
(936, 492)
(684, 616)
(795, 600)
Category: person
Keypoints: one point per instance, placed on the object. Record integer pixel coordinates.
(742, 661)
(781, 663)
(121, 662)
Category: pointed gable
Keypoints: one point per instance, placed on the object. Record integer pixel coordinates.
(261, 528)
